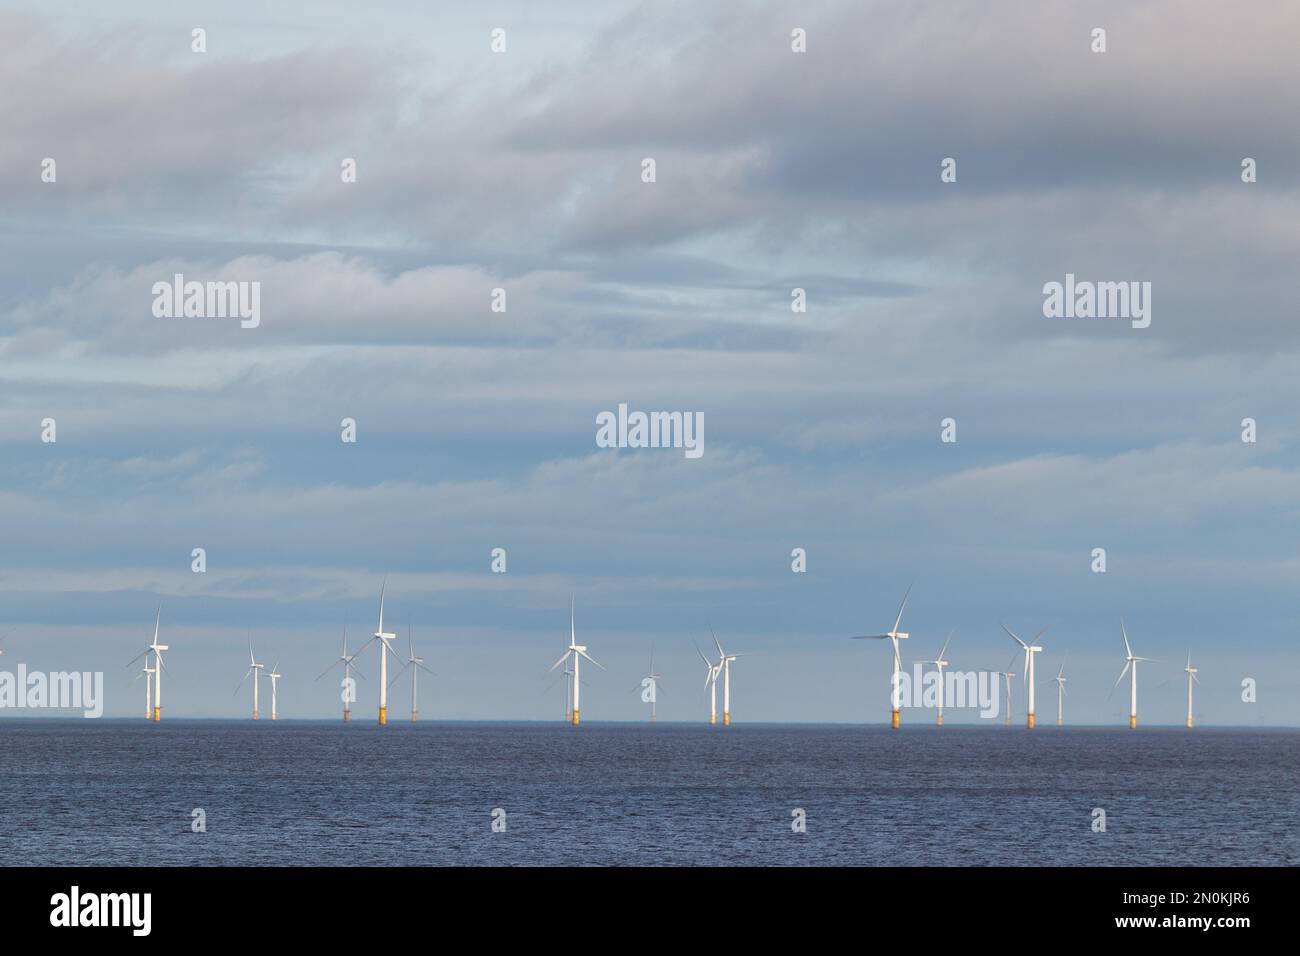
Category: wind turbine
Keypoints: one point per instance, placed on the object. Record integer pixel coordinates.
(724, 661)
(145, 672)
(894, 637)
(1030, 650)
(1059, 680)
(711, 684)
(255, 669)
(158, 665)
(416, 664)
(651, 682)
(274, 675)
(1006, 677)
(940, 662)
(1131, 662)
(576, 652)
(349, 665)
(385, 648)
(1191, 676)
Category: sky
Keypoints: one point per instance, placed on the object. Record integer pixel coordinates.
(476, 429)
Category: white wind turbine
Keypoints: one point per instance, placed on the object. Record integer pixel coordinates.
(711, 684)
(349, 664)
(385, 648)
(1031, 649)
(158, 665)
(724, 661)
(1191, 676)
(1131, 663)
(1059, 680)
(1006, 677)
(651, 683)
(416, 664)
(575, 652)
(894, 637)
(940, 662)
(275, 676)
(255, 669)
(145, 672)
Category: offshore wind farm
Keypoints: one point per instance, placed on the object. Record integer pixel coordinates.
(699, 784)
(921, 690)
(317, 332)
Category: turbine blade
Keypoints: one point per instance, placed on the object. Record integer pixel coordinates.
(898, 620)
(1014, 636)
(241, 683)
(330, 668)
(592, 659)
(946, 643)
(562, 659)
(1127, 649)
(1127, 665)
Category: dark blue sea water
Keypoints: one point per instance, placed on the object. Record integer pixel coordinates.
(122, 792)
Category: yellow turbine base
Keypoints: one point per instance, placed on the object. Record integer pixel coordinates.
(415, 715)
(575, 718)
(1059, 723)
(1132, 722)
(1189, 723)
(255, 715)
(157, 713)
(1031, 721)
(939, 722)
(713, 718)
(273, 715)
(726, 718)
(383, 716)
(347, 715)
(893, 721)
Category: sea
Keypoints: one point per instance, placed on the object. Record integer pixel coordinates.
(305, 793)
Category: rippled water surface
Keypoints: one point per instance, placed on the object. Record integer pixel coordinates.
(122, 792)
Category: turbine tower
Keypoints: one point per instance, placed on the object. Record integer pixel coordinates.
(385, 648)
(416, 664)
(724, 661)
(1030, 650)
(349, 665)
(711, 684)
(894, 637)
(146, 673)
(275, 676)
(1006, 677)
(158, 665)
(1191, 676)
(940, 662)
(653, 677)
(1131, 663)
(1059, 680)
(575, 652)
(255, 669)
